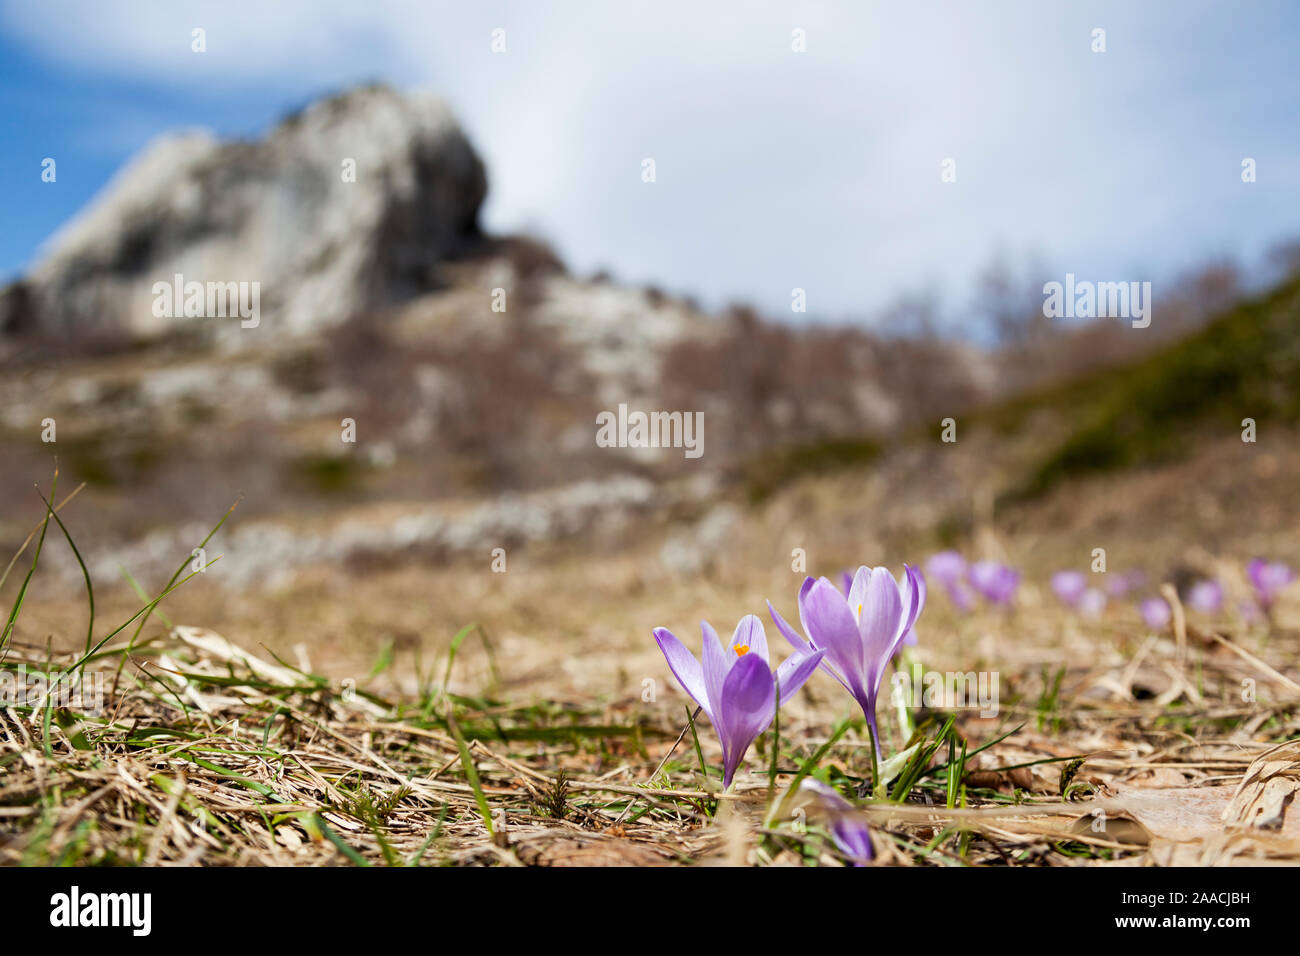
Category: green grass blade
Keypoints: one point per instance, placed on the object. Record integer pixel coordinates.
(22, 592)
(471, 773)
(85, 572)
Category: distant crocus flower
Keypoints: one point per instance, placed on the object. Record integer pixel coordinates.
(995, 582)
(1069, 586)
(960, 595)
(947, 568)
(1119, 585)
(1249, 611)
(1205, 596)
(1155, 613)
(848, 828)
(1269, 578)
(1092, 603)
(734, 686)
(860, 633)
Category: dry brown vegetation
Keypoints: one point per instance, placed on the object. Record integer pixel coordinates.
(325, 730)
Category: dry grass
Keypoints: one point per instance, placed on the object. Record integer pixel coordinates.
(207, 754)
(1112, 745)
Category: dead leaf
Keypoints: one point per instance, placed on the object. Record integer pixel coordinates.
(1116, 827)
(1267, 789)
(1158, 778)
(578, 851)
(1021, 777)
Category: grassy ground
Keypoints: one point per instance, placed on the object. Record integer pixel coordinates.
(361, 718)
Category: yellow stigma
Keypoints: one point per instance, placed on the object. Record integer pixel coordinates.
(740, 649)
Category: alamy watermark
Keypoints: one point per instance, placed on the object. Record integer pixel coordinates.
(1089, 300)
(23, 688)
(208, 300)
(133, 911)
(946, 690)
(637, 429)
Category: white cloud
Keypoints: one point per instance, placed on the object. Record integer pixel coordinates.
(775, 169)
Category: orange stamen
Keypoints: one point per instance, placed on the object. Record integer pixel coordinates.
(740, 649)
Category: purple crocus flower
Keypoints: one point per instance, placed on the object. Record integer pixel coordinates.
(995, 582)
(1070, 586)
(1092, 603)
(960, 596)
(1249, 612)
(1155, 613)
(735, 686)
(860, 633)
(848, 829)
(1269, 578)
(948, 569)
(1205, 596)
(1120, 585)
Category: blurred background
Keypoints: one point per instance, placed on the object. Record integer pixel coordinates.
(473, 228)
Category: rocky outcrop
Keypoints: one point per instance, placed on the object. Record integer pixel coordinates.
(346, 206)
(414, 387)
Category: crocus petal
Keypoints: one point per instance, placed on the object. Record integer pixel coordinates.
(803, 645)
(848, 829)
(717, 663)
(804, 588)
(852, 836)
(881, 621)
(917, 605)
(749, 633)
(831, 628)
(799, 643)
(911, 591)
(684, 666)
(825, 793)
(794, 670)
(857, 595)
(747, 706)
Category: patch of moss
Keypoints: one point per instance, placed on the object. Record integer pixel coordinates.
(109, 459)
(329, 474)
(774, 472)
(1244, 364)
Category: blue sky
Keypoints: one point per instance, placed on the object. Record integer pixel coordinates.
(775, 169)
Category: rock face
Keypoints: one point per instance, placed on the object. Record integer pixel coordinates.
(285, 213)
(472, 369)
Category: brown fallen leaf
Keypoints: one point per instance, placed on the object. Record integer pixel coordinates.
(1021, 777)
(1158, 778)
(1181, 813)
(1118, 827)
(579, 851)
(1267, 789)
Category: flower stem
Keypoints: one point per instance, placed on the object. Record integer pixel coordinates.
(875, 757)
